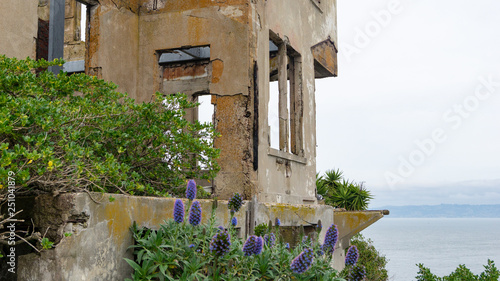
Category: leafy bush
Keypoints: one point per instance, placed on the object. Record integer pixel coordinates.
(370, 258)
(342, 193)
(462, 273)
(181, 251)
(71, 133)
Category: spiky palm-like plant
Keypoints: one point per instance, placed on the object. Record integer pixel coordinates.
(342, 193)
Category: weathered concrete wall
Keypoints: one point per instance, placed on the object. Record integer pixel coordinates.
(113, 47)
(125, 42)
(101, 232)
(224, 27)
(182, 23)
(18, 28)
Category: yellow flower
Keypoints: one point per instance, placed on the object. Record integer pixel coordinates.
(51, 166)
(31, 161)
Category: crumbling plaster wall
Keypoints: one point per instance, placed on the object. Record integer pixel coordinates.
(126, 39)
(224, 27)
(18, 28)
(113, 44)
(303, 24)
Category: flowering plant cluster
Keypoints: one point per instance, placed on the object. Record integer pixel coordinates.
(179, 250)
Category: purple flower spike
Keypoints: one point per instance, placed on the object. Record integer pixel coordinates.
(178, 211)
(287, 246)
(352, 256)
(220, 243)
(191, 190)
(235, 202)
(258, 245)
(270, 239)
(234, 221)
(356, 273)
(277, 222)
(251, 246)
(195, 213)
(302, 262)
(331, 237)
(320, 252)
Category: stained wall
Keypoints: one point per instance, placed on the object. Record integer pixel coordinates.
(18, 28)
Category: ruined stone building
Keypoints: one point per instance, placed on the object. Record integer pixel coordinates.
(255, 60)
(234, 51)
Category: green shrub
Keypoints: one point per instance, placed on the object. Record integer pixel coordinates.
(462, 273)
(75, 132)
(341, 193)
(369, 257)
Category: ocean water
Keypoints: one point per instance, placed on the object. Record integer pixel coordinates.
(441, 244)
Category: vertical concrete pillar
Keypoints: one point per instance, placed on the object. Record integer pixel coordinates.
(56, 32)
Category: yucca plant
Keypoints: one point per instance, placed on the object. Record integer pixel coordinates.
(342, 193)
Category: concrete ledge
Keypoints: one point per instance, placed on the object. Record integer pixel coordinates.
(350, 223)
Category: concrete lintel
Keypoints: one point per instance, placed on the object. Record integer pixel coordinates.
(325, 59)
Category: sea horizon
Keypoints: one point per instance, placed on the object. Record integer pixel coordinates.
(441, 244)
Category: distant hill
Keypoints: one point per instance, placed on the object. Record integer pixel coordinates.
(444, 211)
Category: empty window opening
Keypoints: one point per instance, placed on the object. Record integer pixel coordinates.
(186, 70)
(83, 22)
(206, 112)
(285, 97)
(205, 109)
(272, 117)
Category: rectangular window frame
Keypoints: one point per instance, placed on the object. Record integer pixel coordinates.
(290, 100)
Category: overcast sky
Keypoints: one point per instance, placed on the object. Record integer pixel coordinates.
(415, 109)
